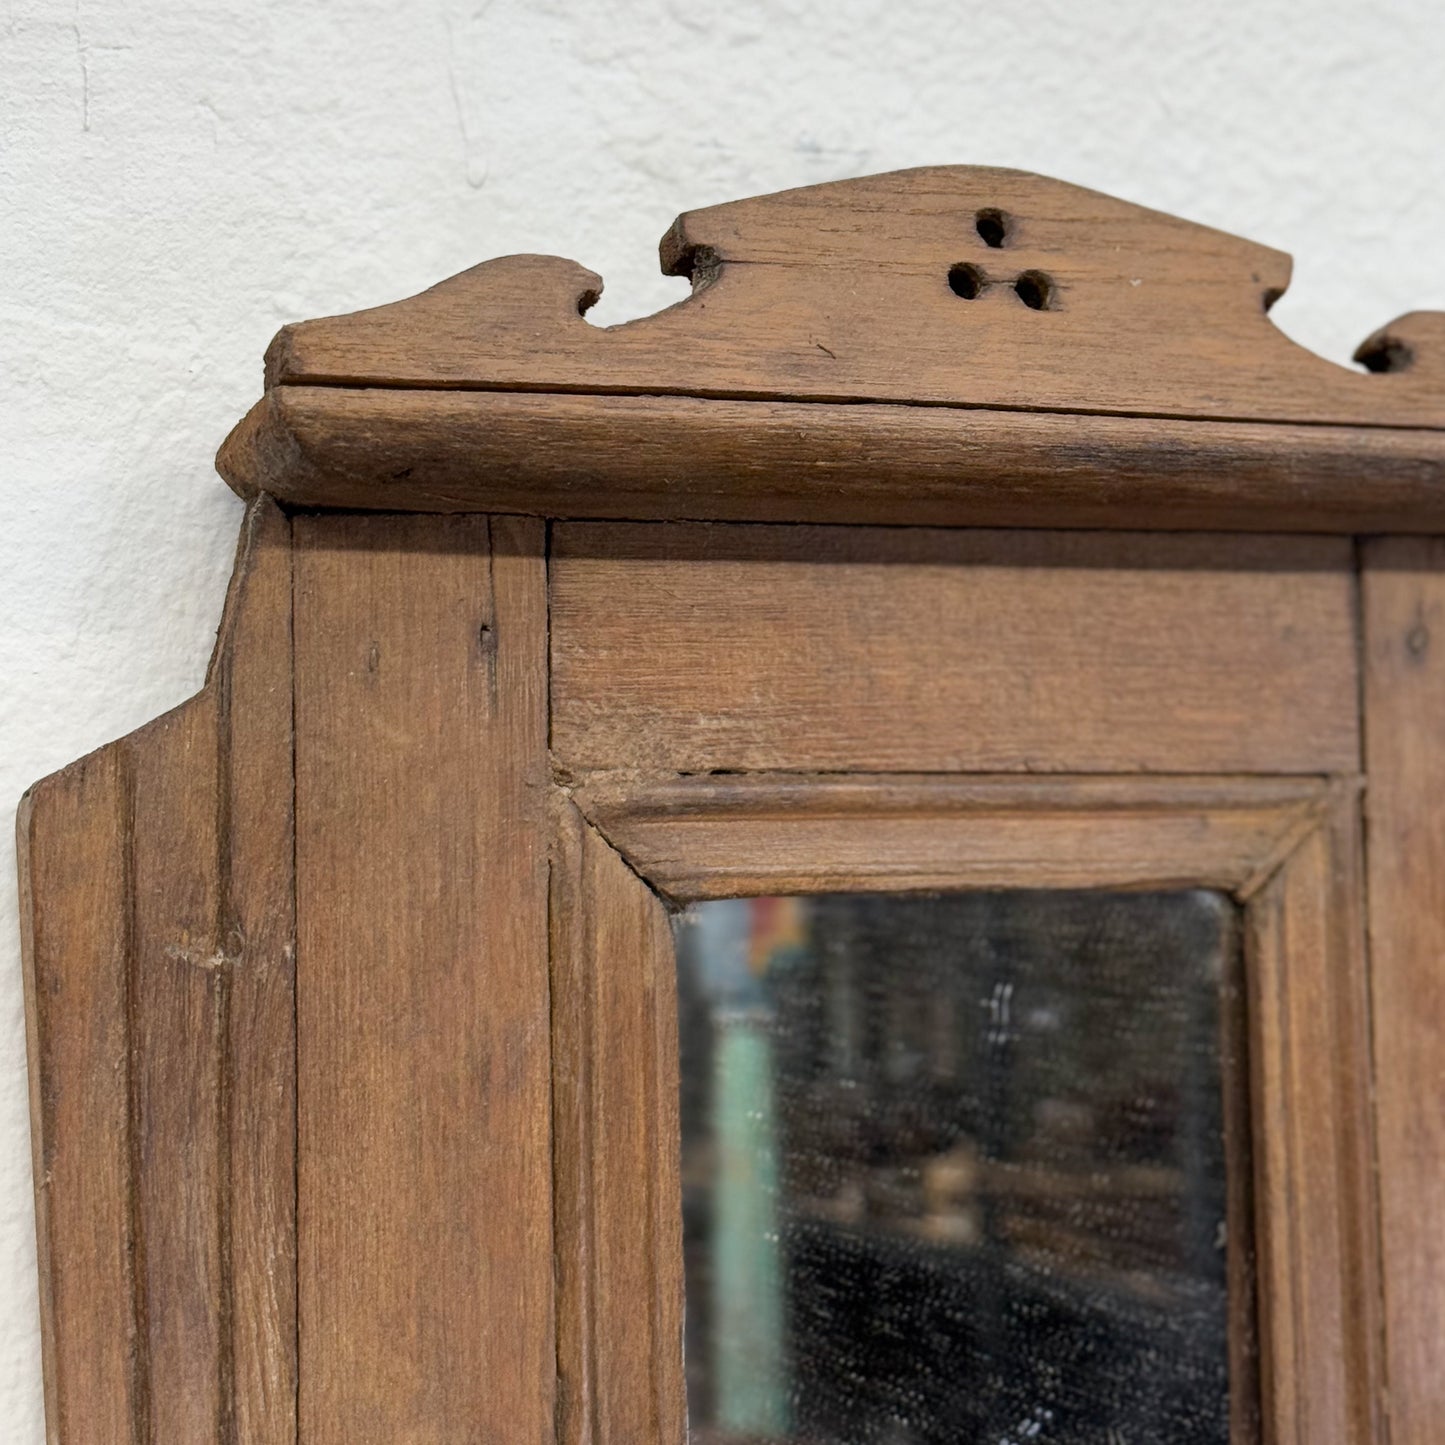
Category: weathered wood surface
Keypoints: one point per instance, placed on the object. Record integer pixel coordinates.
(681, 458)
(850, 291)
(950, 347)
(1404, 612)
(615, 1101)
(1321, 1312)
(158, 937)
(758, 398)
(425, 1164)
(689, 648)
(1288, 851)
(737, 835)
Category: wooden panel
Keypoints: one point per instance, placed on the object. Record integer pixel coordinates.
(849, 291)
(158, 941)
(259, 946)
(75, 890)
(813, 306)
(1316, 1220)
(690, 648)
(1404, 604)
(425, 1229)
(619, 1223)
(778, 461)
(734, 836)
(177, 1011)
(1297, 873)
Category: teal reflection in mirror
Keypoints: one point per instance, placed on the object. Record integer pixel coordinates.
(954, 1168)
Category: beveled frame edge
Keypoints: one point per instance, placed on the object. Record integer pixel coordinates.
(570, 456)
(616, 1216)
(683, 833)
(1287, 849)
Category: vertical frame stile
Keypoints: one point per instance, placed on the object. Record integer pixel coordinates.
(75, 905)
(178, 986)
(1316, 1225)
(258, 941)
(615, 1102)
(1403, 590)
(425, 1252)
(572, 1012)
(158, 940)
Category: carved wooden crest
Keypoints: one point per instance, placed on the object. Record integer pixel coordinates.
(948, 345)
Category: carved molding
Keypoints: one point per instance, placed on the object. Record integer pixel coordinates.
(950, 285)
(951, 346)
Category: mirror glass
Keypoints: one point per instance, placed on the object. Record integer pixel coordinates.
(953, 1167)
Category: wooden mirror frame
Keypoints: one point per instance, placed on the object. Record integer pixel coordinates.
(351, 1039)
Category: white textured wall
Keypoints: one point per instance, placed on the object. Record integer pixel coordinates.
(179, 177)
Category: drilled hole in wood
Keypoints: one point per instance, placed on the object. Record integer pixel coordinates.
(1385, 353)
(993, 226)
(1035, 290)
(965, 280)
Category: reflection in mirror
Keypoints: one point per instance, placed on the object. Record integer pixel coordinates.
(954, 1168)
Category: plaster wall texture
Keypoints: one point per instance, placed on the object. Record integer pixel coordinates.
(180, 177)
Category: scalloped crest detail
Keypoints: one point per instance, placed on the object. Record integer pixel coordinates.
(958, 285)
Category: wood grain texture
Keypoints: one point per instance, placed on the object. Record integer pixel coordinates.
(681, 458)
(75, 913)
(425, 1199)
(1297, 877)
(260, 1103)
(157, 886)
(692, 648)
(759, 834)
(177, 1002)
(615, 1100)
(842, 292)
(1316, 1205)
(1404, 610)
